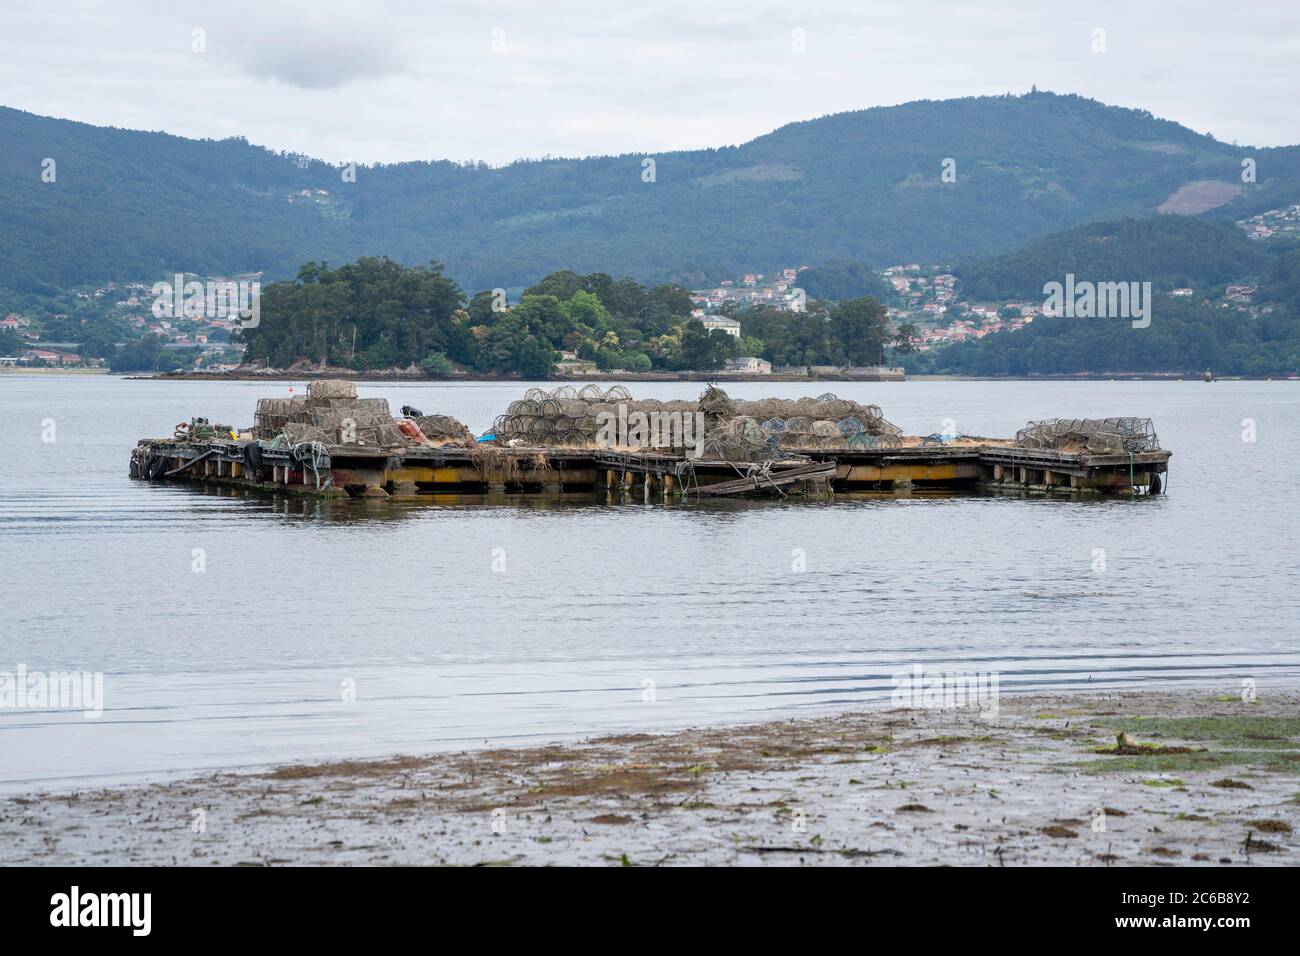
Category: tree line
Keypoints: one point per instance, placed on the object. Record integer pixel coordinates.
(377, 313)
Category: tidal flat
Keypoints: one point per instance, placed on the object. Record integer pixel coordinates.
(1190, 777)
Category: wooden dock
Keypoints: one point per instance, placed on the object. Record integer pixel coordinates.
(354, 471)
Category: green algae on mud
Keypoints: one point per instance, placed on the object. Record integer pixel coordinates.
(1229, 729)
(1268, 742)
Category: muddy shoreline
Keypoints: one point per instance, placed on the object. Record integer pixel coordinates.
(1203, 778)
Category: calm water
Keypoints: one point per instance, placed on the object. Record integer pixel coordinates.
(249, 662)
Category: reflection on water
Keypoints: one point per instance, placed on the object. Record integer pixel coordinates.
(457, 619)
(403, 507)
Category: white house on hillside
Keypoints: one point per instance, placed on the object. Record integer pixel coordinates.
(730, 326)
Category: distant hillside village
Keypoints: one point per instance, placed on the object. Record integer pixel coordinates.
(931, 302)
(925, 297)
(779, 291)
(1283, 222)
(119, 320)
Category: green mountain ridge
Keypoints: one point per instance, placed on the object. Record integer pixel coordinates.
(861, 186)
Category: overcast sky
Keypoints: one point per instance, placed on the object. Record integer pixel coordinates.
(497, 80)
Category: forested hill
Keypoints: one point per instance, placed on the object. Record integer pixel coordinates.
(1168, 251)
(1255, 330)
(863, 186)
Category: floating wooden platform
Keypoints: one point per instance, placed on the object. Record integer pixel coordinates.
(379, 472)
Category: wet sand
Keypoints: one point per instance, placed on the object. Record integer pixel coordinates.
(1204, 778)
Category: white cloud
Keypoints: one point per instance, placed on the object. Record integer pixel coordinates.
(314, 54)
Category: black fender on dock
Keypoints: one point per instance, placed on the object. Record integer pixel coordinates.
(253, 459)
